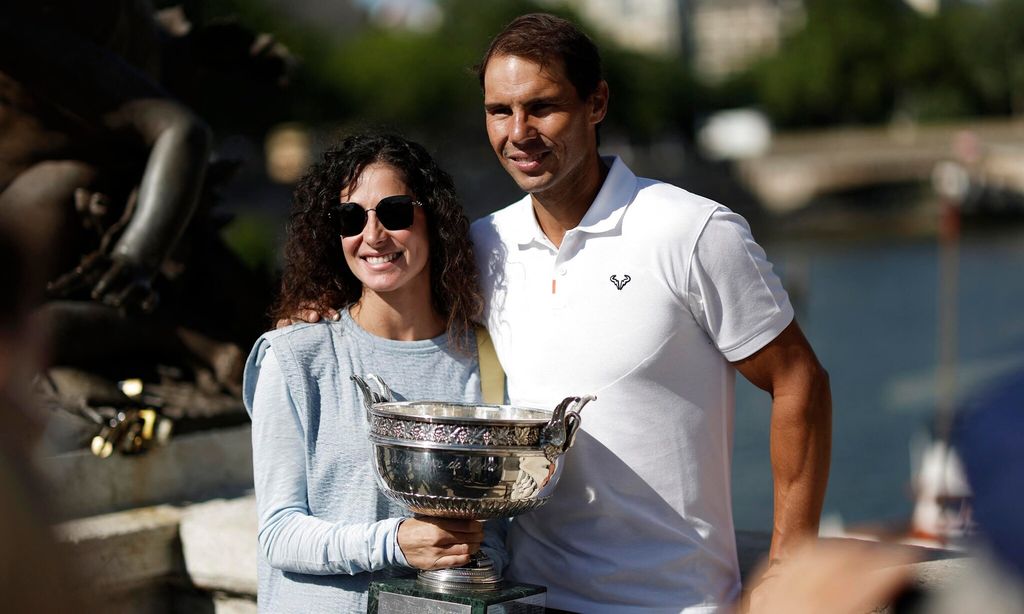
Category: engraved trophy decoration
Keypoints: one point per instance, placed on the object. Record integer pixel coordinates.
(464, 460)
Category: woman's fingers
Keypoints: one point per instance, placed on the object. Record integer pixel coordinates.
(437, 543)
(452, 560)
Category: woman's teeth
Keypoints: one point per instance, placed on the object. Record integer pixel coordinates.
(382, 259)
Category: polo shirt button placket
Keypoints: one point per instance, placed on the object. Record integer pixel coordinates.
(559, 277)
(559, 286)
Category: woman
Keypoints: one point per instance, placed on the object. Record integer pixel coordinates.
(377, 233)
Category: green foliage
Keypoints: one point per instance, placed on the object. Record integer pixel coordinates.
(864, 61)
(254, 238)
(424, 83)
(855, 61)
(650, 97)
(839, 67)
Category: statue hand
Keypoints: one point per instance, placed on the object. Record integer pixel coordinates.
(115, 280)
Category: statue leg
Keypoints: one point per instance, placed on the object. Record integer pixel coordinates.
(97, 337)
(40, 202)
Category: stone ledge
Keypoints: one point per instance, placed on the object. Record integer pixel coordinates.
(211, 545)
(218, 540)
(233, 605)
(124, 551)
(193, 467)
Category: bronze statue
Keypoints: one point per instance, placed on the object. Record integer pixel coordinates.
(116, 170)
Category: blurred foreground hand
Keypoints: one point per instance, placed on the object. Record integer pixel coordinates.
(839, 576)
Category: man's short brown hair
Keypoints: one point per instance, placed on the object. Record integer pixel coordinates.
(544, 38)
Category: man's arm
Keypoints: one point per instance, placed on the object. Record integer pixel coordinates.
(801, 434)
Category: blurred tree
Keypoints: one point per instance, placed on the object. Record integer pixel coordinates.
(839, 67)
(998, 50)
(651, 98)
(426, 80)
(866, 61)
(423, 82)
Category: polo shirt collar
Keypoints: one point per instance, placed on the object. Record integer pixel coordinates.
(611, 200)
(603, 215)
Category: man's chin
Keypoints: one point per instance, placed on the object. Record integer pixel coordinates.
(530, 183)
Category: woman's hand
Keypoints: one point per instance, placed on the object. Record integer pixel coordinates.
(438, 543)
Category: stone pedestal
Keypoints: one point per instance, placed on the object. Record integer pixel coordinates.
(405, 596)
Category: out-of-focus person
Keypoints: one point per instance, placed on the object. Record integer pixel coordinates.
(852, 576)
(34, 575)
(837, 576)
(988, 436)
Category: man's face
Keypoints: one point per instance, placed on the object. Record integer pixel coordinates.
(541, 131)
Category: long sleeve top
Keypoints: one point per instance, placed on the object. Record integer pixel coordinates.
(324, 528)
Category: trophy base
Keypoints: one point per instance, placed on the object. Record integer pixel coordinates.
(412, 596)
(477, 576)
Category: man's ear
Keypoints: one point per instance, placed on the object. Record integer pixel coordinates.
(599, 103)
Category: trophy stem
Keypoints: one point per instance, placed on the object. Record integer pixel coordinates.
(477, 575)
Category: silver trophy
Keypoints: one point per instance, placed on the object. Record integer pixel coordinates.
(466, 460)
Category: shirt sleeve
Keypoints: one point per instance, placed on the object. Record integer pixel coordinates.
(733, 290)
(291, 538)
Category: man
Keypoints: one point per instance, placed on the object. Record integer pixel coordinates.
(650, 297)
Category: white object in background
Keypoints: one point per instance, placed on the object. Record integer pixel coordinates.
(925, 7)
(942, 510)
(735, 134)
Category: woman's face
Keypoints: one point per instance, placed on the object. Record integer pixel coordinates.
(387, 261)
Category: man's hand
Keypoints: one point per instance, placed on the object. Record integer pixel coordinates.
(439, 543)
(308, 314)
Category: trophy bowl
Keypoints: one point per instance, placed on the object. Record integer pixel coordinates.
(466, 460)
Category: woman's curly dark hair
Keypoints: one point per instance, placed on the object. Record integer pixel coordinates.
(316, 275)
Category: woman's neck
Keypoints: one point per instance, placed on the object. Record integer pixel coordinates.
(397, 317)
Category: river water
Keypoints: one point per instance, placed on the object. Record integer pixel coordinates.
(870, 306)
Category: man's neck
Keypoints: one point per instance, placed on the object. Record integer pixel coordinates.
(561, 210)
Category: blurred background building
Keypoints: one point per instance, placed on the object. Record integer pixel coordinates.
(725, 37)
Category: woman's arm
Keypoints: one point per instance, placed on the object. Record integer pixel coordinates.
(292, 539)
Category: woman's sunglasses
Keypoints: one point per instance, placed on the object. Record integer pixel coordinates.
(394, 213)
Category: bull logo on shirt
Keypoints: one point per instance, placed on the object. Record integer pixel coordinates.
(620, 283)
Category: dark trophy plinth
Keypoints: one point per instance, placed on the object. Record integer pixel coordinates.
(408, 596)
(464, 460)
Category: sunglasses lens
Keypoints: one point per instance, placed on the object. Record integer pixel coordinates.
(395, 212)
(349, 219)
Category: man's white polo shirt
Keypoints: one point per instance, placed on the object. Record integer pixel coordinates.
(644, 304)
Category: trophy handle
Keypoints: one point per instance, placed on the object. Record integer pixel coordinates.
(370, 396)
(572, 420)
(559, 433)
